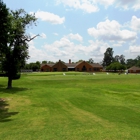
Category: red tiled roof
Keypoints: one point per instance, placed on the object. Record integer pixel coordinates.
(47, 64)
(96, 65)
(73, 65)
(134, 68)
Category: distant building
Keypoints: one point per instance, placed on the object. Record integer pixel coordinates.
(134, 69)
(81, 67)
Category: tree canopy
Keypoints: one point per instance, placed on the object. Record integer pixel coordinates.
(108, 57)
(91, 61)
(14, 48)
(115, 66)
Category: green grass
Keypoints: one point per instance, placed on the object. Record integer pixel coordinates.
(77, 106)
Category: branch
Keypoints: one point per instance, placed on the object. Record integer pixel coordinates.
(31, 38)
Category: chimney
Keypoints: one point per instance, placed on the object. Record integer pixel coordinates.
(69, 61)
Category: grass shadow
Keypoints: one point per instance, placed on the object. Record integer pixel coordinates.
(13, 90)
(4, 114)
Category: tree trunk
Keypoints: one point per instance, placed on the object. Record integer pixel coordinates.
(9, 82)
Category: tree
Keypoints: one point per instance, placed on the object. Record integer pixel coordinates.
(108, 57)
(16, 48)
(131, 62)
(122, 59)
(91, 61)
(51, 62)
(138, 57)
(34, 66)
(38, 64)
(79, 61)
(4, 28)
(44, 62)
(115, 66)
(116, 58)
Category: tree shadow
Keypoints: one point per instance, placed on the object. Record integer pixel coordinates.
(4, 114)
(13, 90)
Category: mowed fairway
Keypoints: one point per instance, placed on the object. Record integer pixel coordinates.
(77, 106)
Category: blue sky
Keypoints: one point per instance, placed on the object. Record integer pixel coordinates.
(82, 29)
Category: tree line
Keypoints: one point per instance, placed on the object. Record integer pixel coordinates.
(118, 62)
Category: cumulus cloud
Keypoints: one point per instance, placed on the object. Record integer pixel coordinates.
(75, 37)
(35, 54)
(90, 6)
(134, 50)
(128, 4)
(85, 5)
(50, 17)
(66, 49)
(111, 30)
(106, 3)
(135, 23)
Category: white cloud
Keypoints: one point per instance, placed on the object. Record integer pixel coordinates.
(43, 35)
(134, 49)
(128, 4)
(64, 49)
(111, 30)
(88, 6)
(106, 3)
(35, 54)
(135, 23)
(136, 6)
(49, 17)
(75, 37)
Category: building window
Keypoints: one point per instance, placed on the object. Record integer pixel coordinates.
(77, 69)
(96, 69)
(64, 69)
(84, 68)
(89, 69)
(55, 69)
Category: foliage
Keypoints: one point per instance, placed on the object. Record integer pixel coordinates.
(120, 59)
(4, 29)
(115, 66)
(79, 61)
(91, 61)
(108, 57)
(32, 66)
(15, 48)
(133, 62)
(44, 62)
(47, 62)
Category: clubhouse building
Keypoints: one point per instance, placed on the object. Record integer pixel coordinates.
(81, 67)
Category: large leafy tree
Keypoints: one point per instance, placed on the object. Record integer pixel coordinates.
(4, 28)
(108, 57)
(115, 66)
(15, 47)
